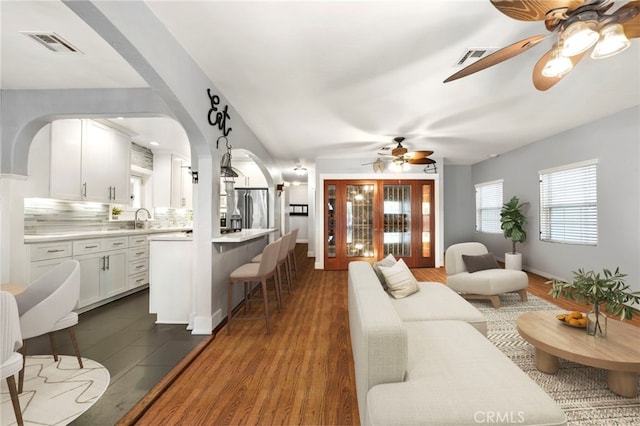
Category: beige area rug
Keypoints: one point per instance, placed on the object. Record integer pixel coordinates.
(56, 393)
(579, 390)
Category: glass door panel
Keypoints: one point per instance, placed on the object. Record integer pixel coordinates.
(331, 221)
(426, 220)
(359, 221)
(397, 220)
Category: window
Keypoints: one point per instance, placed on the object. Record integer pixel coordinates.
(488, 205)
(568, 204)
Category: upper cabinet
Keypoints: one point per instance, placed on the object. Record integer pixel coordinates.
(82, 161)
(172, 185)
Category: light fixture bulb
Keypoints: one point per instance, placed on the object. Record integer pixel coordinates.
(578, 37)
(612, 41)
(557, 65)
(300, 171)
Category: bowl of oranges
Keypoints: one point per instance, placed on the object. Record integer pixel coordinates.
(573, 319)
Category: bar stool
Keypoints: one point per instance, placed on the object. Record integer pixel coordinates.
(282, 261)
(255, 272)
(291, 256)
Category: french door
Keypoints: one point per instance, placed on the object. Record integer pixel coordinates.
(369, 219)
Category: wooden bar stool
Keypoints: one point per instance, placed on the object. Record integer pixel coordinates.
(255, 272)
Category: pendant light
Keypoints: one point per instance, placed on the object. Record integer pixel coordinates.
(557, 65)
(578, 37)
(612, 41)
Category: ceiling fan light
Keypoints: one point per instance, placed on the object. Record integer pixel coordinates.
(578, 37)
(557, 65)
(612, 41)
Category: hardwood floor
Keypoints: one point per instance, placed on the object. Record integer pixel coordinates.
(302, 373)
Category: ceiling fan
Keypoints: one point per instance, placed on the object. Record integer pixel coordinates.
(579, 25)
(400, 157)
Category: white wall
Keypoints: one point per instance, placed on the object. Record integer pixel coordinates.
(299, 194)
(615, 142)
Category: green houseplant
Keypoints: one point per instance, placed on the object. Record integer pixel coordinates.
(607, 289)
(512, 223)
(116, 211)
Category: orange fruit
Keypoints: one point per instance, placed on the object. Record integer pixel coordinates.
(576, 315)
(561, 317)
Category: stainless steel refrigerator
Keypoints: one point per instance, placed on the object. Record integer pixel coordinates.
(253, 207)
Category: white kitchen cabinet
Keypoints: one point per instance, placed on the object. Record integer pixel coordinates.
(65, 176)
(82, 160)
(138, 258)
(105, 164)
(181, 189)
(45, 256)
(172, 185)
(103, 268)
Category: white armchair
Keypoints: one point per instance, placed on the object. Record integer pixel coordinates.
(485, 283)
(46, 306)
(10, 359)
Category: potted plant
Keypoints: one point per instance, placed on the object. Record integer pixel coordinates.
(115, 212)
(606, 290)
(512, 222)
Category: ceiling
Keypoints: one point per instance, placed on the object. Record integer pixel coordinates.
(333, 79)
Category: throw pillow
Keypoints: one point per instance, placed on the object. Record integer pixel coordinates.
(400, 281)
(387, 261)
(479, 263)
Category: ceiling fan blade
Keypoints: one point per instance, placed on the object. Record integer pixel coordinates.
(497, 57)
(631, 27)
(543, 83)
(421, 161)
(416, 155)
(533, 10)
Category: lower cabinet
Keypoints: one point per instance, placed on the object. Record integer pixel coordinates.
(103, 275)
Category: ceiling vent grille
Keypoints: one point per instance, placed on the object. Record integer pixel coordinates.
(53, 42)
(473, 54)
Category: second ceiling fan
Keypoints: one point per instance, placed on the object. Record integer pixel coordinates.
(579, 25)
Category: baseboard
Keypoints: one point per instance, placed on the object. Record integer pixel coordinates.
(204, 325)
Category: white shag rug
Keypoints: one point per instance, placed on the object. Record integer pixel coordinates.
(55, 393)
(581, 391)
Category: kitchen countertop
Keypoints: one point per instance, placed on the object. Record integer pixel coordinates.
(171, 236)
(241, 236)
(45, 238)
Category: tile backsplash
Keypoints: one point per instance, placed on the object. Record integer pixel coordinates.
(44, 216)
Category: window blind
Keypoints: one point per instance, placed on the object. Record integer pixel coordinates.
(488, 206)
(568, 204)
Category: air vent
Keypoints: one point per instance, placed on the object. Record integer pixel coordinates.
(53, 42)
(473, 54)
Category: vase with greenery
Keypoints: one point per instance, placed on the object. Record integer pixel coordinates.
(512, 222)
(606, 290)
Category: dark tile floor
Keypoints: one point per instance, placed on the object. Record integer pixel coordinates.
(123, 337)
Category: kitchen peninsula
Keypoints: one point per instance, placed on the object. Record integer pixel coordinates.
(170, 283)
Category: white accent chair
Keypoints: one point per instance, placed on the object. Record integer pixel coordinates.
(11, 339)
(485, 284)
(46, 306)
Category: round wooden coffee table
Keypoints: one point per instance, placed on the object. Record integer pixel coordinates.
(618, 352)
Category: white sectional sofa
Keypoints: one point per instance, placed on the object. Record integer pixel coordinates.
(423, 360)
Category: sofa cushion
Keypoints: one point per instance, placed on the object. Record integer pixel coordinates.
(400, 281)
(455, 376)
(479, 262)
(436, 301)
(387, 261)
(489, 281)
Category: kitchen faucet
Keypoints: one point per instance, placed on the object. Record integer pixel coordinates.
(135, 219)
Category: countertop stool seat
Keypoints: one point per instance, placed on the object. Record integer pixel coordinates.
(283, 261)
(291, 256)
(256, 272)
